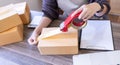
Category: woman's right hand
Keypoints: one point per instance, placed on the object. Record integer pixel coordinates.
(33, 39)
(45, 21)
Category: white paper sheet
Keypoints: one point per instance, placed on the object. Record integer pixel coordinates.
(97, 35)
(35, 19)
(35, 22)
(100, 58)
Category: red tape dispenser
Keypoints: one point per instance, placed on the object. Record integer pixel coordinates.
(73, 21)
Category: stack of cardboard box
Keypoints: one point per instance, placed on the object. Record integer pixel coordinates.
(11, 23)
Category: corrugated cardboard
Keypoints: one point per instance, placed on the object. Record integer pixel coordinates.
(115, 6)
(24, 11)
(12, 35)
(8, 18)
(114, 14)
(114, 18)
(59, 44)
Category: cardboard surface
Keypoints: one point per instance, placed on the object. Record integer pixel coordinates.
(114, 18)
(8, 18)
(115, 6)
(12, 35)
(24, 11)
(58, 44)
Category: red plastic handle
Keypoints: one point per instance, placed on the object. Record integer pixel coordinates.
(69, 19)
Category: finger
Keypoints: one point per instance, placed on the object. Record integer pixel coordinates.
(88, 17)
(30, 41)
(35, 41)
(82, 14)
(76, 11)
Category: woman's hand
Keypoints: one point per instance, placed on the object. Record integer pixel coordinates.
(33, 39)
(88, 11)
(45, 21)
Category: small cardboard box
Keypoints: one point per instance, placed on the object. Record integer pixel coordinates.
(12, 35)
(114, 4)
(8, 18)
(59, 44)
(114, 17)
(24, 11)
(114, 14)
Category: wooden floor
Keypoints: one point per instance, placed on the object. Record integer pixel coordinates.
(23, 54)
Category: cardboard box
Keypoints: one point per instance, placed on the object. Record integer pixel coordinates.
(8, 18)
(59, 44)
(12, 35)
(114, 18)
(24, 11)
(115, 5)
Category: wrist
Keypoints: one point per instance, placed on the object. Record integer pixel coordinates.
(36, 32)
(101, 7)
(97, 6)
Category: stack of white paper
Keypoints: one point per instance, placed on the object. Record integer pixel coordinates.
(97, 35)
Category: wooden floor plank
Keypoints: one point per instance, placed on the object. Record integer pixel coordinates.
(7, 62)
(19, 58)
(36, 55)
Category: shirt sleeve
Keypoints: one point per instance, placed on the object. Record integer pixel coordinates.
(50, 9)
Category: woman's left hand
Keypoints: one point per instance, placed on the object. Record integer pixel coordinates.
(88, 11)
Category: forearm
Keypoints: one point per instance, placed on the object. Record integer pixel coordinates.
(50, 9)
(43, 23)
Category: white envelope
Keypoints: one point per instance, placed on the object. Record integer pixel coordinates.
(100, 58)
(97, 35)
